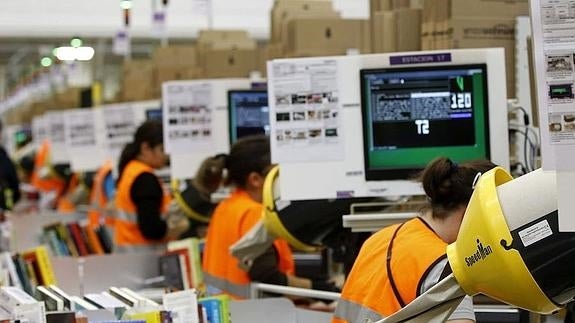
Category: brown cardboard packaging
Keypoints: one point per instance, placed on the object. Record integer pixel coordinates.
(396, 31)
(387, 5)
(219, 35)
(285, 10)
(138, 80)
(471, 32)
(175, 55)
(229, 63)
(325, 36)
(489, 8)
(224, 39)
(69, 99)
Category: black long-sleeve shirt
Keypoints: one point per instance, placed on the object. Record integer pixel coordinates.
(9, 176)
(147, 194)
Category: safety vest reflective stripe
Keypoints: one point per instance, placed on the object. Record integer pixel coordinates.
(353, 312)
(240, 290)
(127, 216)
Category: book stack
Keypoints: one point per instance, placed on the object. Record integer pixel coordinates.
(73, 239)
(28, 269)
(216, 308)
(181, 265)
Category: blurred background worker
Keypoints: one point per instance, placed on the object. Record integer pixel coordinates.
(402, 261)
(246, 165)
(140, 198)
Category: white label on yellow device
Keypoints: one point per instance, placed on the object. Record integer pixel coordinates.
(535, 233)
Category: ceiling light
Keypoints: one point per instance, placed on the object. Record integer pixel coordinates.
(46, 61)
(74, 53)
(76, 42)
(126, 4)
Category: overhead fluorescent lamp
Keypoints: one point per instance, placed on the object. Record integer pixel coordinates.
(74, 53)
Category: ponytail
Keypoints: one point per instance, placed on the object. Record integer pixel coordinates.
(128, 154)
(149, 132)
(210, 175)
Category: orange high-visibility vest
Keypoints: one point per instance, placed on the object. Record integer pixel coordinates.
(231, 220)
(64, 205)
(45, 182)
(368, 294)
(126, 231)
(98, 200)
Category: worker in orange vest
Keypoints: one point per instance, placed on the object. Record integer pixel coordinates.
(101, 194)
(140, 198)
(67, 199)
(54, 179)
(43, 176)
(400, 262)
(246, 165)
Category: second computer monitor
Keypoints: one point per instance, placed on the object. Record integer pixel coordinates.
(415, 114)
(248, 113)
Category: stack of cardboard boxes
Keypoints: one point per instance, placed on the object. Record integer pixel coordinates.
(395, 26)
(313, 28)
(227, 53)
(173, 63)
(216, 54)
(137, 80)
(474, 24)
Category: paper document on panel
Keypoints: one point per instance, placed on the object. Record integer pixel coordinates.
(305, 112)
(56, 133)
(187, 117)
(39, 133)
(120, 125)
(81, 140)
(554, 40)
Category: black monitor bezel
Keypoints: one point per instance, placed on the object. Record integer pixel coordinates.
(230, 93)
(411, 173)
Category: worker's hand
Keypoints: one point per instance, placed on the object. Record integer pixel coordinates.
(324, 285)
(176, 226)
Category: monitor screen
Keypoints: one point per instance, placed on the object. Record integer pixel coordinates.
(413, 115)
(248, 113)
(154, 114)
(22, 137)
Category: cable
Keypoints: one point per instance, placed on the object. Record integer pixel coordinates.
(529, 162)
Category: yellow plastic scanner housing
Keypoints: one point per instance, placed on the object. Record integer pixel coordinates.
(479, 260)
(190, 213)
(272, 220)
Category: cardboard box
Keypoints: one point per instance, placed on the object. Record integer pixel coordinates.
(396, 31)
(138, 79)
(225, 39)
(387, 5)
(221, 63)
(325, 36)
(175, 56)
(221, 35)
(488, 8)
(483, 33)
(284, 11)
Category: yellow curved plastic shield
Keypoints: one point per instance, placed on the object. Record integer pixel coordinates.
(481, 260)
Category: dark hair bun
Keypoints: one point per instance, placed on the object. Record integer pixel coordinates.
(449, 185)
(436, 179)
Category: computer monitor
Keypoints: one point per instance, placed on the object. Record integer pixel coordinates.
(412, 115)
(22, 137)
(248, 113)
(154, 114)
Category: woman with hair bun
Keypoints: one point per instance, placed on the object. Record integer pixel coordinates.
(401, 262)
(245, 168)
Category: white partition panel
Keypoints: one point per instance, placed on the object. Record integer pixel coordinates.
(195, 116)
(320, 177)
